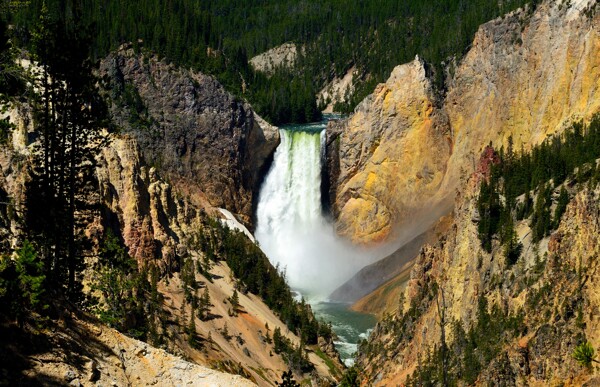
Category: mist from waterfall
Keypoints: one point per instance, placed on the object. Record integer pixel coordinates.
(291, 227)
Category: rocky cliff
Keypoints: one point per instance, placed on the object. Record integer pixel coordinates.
(159, 225)
(392, 154)
(283, 56)
(203, 139)
(13, 174)
(76, 351)
(154, 222)
(526, 75)
(534, 312)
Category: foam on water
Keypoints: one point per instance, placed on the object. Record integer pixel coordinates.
(350, 327)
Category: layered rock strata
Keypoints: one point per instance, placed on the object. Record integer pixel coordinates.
(547, 286)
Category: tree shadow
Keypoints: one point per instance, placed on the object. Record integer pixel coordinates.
(213, 316)
(70, 343)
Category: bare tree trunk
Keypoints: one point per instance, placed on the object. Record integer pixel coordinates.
(72, 185)
(442, 315)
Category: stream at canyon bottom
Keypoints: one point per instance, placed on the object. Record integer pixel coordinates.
(296, 235)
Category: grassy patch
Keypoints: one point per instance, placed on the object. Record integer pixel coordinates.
(261, 373)
(330, 364)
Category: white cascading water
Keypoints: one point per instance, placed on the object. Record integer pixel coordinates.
(291, 228)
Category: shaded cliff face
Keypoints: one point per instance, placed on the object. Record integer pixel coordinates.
(199, 135)
(13, 174)
(526, 76)
(154, 222)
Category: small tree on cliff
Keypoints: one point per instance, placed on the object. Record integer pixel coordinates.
(235, 302)
(350, 378)
(584, 354)
(204, 305)
(121, 284)
(287, 380)
(21, 284)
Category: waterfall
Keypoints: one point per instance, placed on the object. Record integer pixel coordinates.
(291, 193)
(291, 228)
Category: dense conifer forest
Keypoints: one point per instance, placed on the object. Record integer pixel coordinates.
(218, 37)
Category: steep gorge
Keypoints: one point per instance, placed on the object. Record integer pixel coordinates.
(527, 76)
(157, 198)
(403, 159)
(160, 225)
(550, 295)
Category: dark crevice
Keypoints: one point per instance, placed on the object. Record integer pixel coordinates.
(262, 174)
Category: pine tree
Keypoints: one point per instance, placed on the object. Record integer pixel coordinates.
(490, 209)
(350, 378)
(69, 115)
(584, 354)
(561, 206)
(278, 341)
(192, 330)
(123, 289)
(235, 302)
(541, 220)
(27, 291)
(287, 380)
(204, 305)
(225, 332)
(512, 249)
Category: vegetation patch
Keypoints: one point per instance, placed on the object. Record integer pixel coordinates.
(506, 194)
(219, 36)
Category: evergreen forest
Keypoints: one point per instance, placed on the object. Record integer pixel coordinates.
(218, 37)
(543, 173)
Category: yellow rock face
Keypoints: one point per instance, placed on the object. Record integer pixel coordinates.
(526, 76)
(459, 266)
(542, 74)
(402, 148)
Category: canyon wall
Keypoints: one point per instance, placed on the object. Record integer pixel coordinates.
(154, 221)
(203, 139)
(159, 224)
(550, 296)
(183, 147)
(401, 153)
